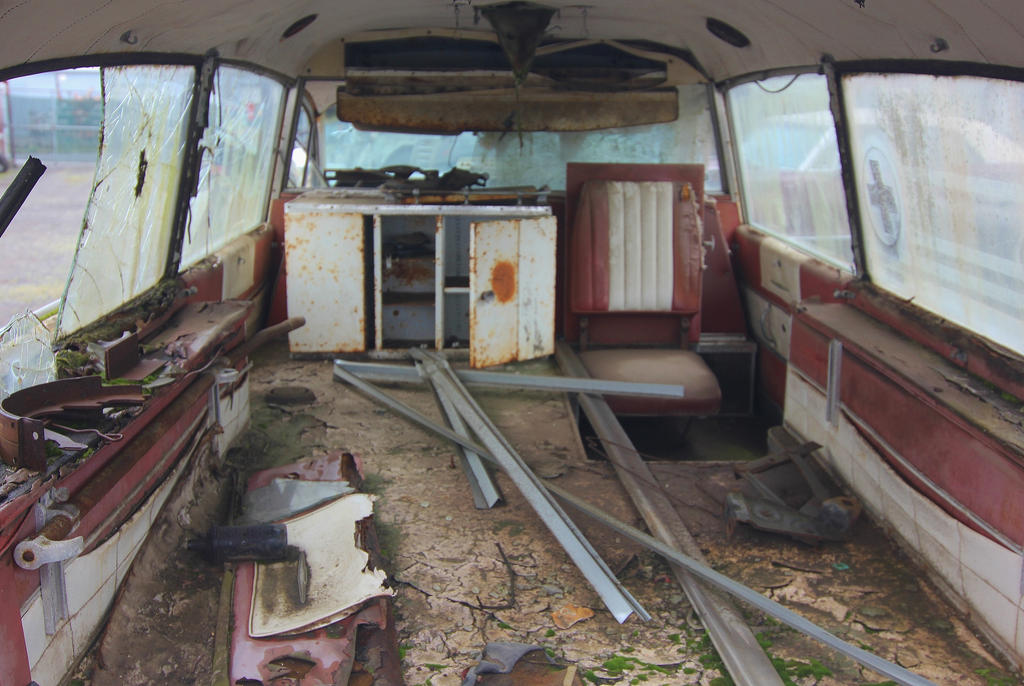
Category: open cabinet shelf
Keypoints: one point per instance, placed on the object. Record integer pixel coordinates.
(409, 280)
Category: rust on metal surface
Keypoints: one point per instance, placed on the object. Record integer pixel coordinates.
(121, 355)
(22, 441)
(507, 110)
(503, 281)
(410, 272)
(199, 329)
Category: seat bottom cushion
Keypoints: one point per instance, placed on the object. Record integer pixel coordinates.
(702, 395)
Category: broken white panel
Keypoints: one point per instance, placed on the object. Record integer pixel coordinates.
(536, 320)
(493, 292)
(325, 274)
(339, 579)
(771, 325)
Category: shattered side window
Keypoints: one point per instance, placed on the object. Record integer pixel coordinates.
(939, 162)
(122, 249)
(238, 155)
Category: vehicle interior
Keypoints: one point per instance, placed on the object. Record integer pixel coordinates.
(741, 277)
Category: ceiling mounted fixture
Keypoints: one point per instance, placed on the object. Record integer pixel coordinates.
(728, 33)
(520, 26)
(298, 26)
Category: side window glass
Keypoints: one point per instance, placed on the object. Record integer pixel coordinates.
(238, 155)
(123, 246)
(785, 139)
(302, 165)
(939, 163)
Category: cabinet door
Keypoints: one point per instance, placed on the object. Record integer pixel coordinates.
(511, 290)
(326, 280)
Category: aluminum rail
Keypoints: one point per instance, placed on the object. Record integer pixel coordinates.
(376, 371)
(485, 492)
(734, 588)
(742, 655)
(616, 598)
(883, 667)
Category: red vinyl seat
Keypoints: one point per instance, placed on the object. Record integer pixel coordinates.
(635, 260)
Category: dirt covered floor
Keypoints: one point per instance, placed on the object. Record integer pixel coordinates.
(465, 577)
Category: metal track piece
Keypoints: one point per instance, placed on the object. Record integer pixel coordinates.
(617, 599)
(375, 371)
(485, 492)
(743, 656)
(734, 588)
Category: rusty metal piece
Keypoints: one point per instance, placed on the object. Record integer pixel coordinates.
(791, 499)
(22, 432)
(329, 293)
(532, 109)
(833, 522)
(119, 356)
(328, 653)
(200, 328)
(520, 27)
(511, 290)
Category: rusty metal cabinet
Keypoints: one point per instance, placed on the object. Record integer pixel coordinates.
(371, 276)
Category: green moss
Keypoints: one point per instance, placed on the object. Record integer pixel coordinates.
(72, 363)
(994, 677)
(373, 483)
(389, 538)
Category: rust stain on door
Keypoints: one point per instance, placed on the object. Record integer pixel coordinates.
(503, 281)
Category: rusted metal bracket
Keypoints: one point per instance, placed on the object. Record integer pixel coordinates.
(23, 432)
(49, 556)
(822, 516)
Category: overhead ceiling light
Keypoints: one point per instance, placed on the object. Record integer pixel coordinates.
(298, 26)
(730, 34)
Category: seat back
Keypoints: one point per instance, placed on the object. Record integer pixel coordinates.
(634, 258)
(636, 248)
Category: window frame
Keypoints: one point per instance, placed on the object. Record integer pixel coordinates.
(199, 127)
(739, 187)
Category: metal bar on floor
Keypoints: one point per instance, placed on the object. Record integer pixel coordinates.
(734, 588)
(616, 598)
(805, 626)
(485, 493)
(743, 656)
(376, 371)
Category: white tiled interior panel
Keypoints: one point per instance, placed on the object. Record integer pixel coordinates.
(985, 574)
(91, 581)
